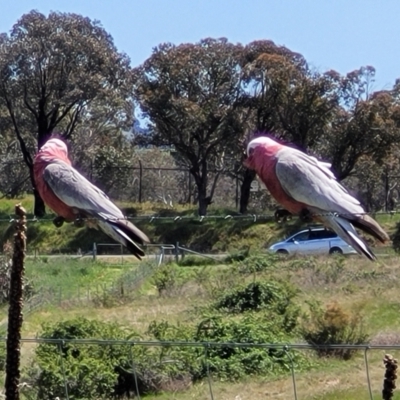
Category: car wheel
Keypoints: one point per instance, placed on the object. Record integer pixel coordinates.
(335, 250)
(282, 252)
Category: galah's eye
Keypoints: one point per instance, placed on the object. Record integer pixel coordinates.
(251, 151)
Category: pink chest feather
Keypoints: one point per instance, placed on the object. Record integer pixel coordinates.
(48, 196)
(264, 163)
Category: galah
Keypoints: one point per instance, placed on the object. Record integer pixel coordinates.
(306, 186)
(72, 197)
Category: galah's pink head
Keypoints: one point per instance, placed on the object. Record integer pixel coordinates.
(54, 149)
(258, 148)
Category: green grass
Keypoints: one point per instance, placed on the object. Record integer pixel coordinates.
(69, 273)
(374, 296)
(209, 235)
(359, 285)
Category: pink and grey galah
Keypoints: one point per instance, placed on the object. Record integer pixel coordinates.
(72, 197)
(304, 185)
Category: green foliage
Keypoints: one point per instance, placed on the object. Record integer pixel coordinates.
(333, 325)
(3, 350)
(396, 238)
(167, 279)
(275, 298)
(256, 296)
(191, 261)
(237, 256)
(257, 263)
(226, 361)
(100, 371)
(90, 371)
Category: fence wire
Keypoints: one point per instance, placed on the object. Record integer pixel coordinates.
(177, 217)
(373, 385)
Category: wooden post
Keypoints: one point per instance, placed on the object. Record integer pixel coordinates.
(15, 317)
(140, 180)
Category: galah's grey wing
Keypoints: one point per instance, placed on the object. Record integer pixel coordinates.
(76, 191)
(303, 179)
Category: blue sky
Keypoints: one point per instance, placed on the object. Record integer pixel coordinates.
(331, 34)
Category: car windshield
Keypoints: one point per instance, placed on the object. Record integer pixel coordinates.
(301, 237)
(313, 235)
(322, 234)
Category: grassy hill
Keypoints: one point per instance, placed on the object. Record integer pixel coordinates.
(364, 291)
(208, 235)
(177, 300)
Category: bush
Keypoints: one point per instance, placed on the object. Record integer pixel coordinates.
(90, 371)
(240, 255)
(333, 325)
(167, 278)
(98, 371)
(193, 261)
(257, 263)
(229, 361)
(256, 296)
(275, 298)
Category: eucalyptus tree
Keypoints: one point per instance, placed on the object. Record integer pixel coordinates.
(52, 69)
(191, 95)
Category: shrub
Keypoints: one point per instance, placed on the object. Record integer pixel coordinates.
(193, 261)
(90, 371)
(333, 325)
(275, 298)
(256, 296)
(237, 256)
(257, 263)
(229, 361)
(98, 371)
(167, 278)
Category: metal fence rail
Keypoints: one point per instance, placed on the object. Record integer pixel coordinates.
(372, 385)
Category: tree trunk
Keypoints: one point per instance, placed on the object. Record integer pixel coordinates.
(248, 177)
(203, 204)
(39, 209)
(201, 183)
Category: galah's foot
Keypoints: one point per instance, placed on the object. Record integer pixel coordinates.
(305, 216)
(79, 222)
(58, 221)
(282, 215)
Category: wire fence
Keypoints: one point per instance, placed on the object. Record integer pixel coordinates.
(127, 283)
(154, 218)
(375, 369)
(80, 295)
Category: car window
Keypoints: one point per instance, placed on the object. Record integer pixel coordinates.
(301, 237)
(322, 234)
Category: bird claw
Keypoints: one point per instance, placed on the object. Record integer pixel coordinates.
(305, 215)
(58, 221)
(79, 222)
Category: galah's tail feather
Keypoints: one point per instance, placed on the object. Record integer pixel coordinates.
(346, 231)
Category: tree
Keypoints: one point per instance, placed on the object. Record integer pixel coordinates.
(363, 123)
(271, 79)
(52, 70)
(190, 94)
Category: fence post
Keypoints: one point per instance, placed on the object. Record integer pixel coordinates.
(386, 189)
(237, 193)
(15, 316)
(140, 180)
(190, 188)
(177, 252)
(94, 251)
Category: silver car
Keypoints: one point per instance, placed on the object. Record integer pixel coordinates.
(313, 241)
